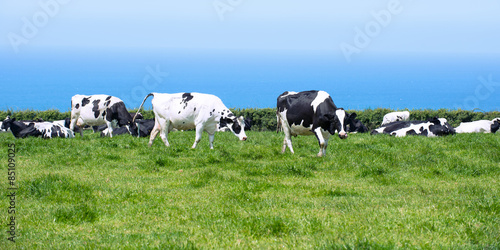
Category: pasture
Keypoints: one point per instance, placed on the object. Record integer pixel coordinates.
(367, 192)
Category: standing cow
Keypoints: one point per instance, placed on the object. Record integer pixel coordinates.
(308, 113)
(198, 111)
(95, 110)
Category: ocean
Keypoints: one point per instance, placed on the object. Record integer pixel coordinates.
(252, 79)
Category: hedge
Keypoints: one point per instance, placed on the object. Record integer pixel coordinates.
(264, 119)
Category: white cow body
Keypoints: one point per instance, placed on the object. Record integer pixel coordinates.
(481, 126)
(395, 117)
(184, 111)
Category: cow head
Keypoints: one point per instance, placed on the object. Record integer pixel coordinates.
(440, 126)
(496, 125)
(7, 122)
(236, 125)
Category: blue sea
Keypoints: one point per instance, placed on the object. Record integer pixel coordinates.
(252, 79)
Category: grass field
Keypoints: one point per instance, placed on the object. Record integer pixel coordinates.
(368, 192)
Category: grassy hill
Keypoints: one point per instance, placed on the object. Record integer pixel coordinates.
(369, 191)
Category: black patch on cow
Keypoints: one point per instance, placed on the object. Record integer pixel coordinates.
(186, 97)
(230, 115)
(495, 126)
(104, 113)
(108, 98)
(194, 109)
(95, 108)
(236, 126)
(77, 105)
(85, 101)
(179, 112)
(298, 106)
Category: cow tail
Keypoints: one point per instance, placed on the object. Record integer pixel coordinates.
(142, 104)
(278, 118)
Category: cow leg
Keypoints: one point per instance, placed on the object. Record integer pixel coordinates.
(211, 134)
(287, 140)
(321, 141)
(164, 132)
(199, 131)
(154, 132)
(110, 128)
(74, 119)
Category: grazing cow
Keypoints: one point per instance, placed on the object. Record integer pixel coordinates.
(481, 126)
(395, 117)
(96, 110)
(198, 111)
(37, 129)
(308, 113)
(430, 128)
(355, 125)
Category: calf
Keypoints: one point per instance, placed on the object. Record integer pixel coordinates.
(184, 111)
(481, 126)
(37, 129)
(310, 113)
(430, 128)
(395, 117)
(96, 110)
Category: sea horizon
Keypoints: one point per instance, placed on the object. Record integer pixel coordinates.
(253, 79)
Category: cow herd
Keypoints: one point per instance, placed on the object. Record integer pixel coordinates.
(298, 113)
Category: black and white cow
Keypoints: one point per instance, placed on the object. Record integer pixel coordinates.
(355, 125)
(430, 128)
(395, 117)
(6, 127)
(481, 126)
(66, 123)
(95, 110)
(308, 113)
(36, 129)
(198, 111)
(144, 127)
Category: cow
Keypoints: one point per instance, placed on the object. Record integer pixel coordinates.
(308, 113)
(66, 123)
(395, 117)
(355, 125)
(144, 128)
(95, 110)
(6, 127)
(37, 129)
(184, 111)
(430, 128)
(481, 126)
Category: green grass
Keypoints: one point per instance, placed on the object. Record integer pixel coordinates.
(368, 192)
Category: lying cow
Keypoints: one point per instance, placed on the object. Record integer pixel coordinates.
(430, 128)
(144, 127)
(395, 117)
(6, 127)
(355, 125)
(310, 113)
(96, 110)
(198, 111)
(66, 123)
(481, 126)
(37, 129)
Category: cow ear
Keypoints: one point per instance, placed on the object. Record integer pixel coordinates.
(353, 115)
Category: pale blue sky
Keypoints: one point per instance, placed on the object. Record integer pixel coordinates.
(417, 26)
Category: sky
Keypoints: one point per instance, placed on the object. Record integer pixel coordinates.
(51, 41)
(346, 27)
